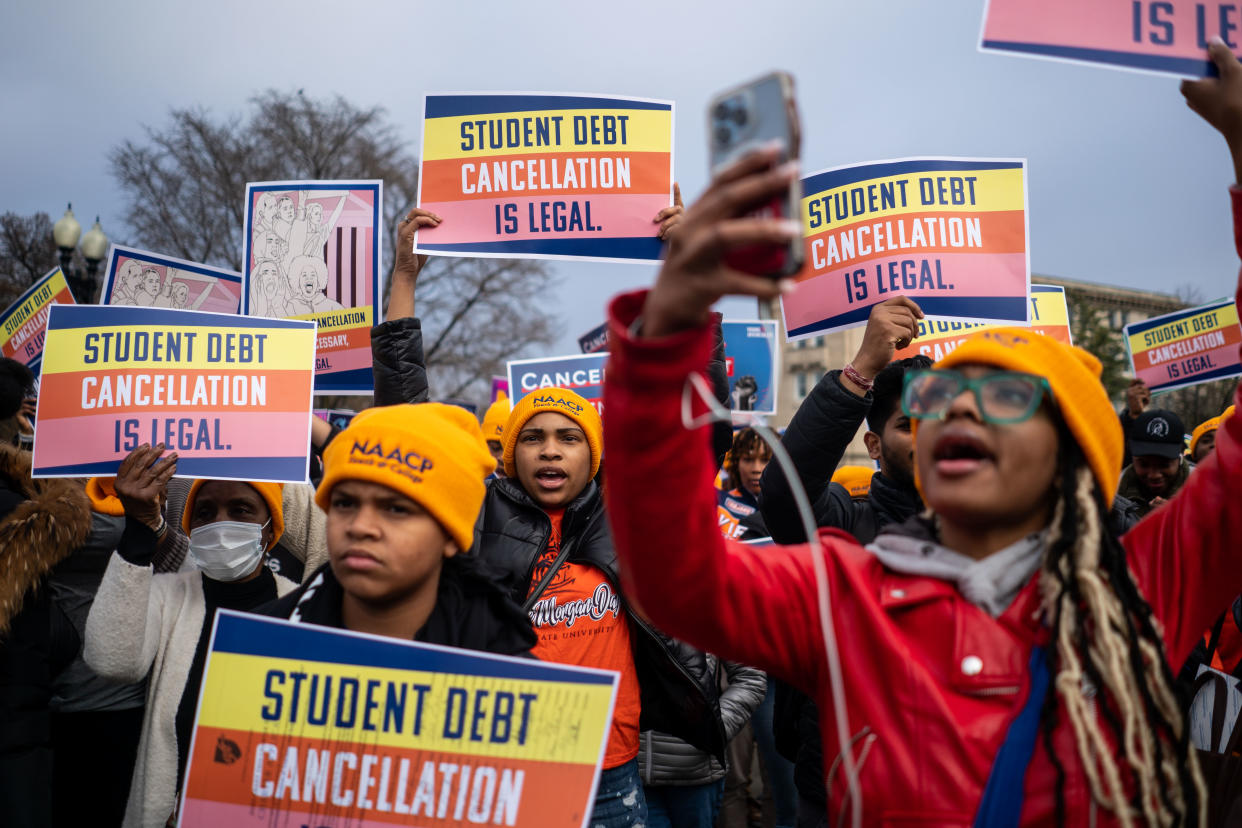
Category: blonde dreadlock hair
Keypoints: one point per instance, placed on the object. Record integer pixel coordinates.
(1104, 636)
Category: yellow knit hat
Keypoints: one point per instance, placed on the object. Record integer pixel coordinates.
(1074, 376)
(432, 453)
(1204, 427)
(855, 479)
(495, 417)
(102, 494)
(272, 494)
(562, 401)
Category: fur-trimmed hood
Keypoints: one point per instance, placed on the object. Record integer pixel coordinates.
(54, 520)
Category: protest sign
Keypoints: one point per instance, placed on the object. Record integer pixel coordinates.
(1186, 347)
(231, 395)
(937, 337)
(139, 278)
(313, 250)
(306, 725)
(594, 340)
(949, 233)
(499, 385)
(582, 374)
(751, 356)
(545, 176)
(1167, 37)
(23, 323)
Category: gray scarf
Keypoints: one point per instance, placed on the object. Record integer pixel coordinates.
(990, 584)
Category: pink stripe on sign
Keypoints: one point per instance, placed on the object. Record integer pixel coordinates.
(612, 216)
(1103, 24)
(347, 360)
(204, 813)
(962, 274)
(92, 439)
(1217, 358)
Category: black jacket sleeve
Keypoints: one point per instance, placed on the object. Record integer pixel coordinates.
(398, 363)
(816, 439)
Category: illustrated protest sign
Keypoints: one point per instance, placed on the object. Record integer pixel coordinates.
(23, 323)
(142, 279)
(230, 394)
(545, 176)
(313, 250)
(751, 356)
(1164, 36)
(307, 725)
(950, 233)
(1186, 347)
(938, 337)
(583, 374)
(336, 417)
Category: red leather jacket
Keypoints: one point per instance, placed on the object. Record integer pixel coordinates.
(931, 681)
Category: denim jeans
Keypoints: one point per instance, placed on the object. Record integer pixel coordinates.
(619, 800)
(780, 771)
(683, 806)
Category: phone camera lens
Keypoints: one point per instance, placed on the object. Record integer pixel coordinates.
(724, 135)
(722, 111)
(740, 116)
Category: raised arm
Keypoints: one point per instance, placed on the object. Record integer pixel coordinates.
(825, 424)
(397, 343)
(1186, 555)
(744, 604)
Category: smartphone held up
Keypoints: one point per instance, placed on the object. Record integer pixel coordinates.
(740, 121)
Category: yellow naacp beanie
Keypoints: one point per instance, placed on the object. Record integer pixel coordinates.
(1074, 376)
(1203, 428)
(855, 479)
(432, 453)
(562, 401)
(495, 418)
(102, 494)
(272, 494)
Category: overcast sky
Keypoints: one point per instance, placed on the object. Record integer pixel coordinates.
(1126, 186)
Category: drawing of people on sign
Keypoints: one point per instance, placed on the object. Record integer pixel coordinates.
(149, 280)
(307, 280)
(312, 251)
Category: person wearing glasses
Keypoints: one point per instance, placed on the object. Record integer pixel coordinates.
(1007, 661)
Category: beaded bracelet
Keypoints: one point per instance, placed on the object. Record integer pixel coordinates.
(851, 373)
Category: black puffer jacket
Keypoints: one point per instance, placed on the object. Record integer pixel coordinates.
(679, 692)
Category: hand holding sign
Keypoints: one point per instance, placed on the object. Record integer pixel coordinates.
(409, 264)
(670, 216)
(695, 276)
(1219, 100)
(141, 481)
(892, 325)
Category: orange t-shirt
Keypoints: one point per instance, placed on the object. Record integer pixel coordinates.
(579, 620)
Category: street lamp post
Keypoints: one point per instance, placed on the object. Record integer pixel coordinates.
(66, 233)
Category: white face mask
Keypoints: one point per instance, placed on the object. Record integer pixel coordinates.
(227, 550)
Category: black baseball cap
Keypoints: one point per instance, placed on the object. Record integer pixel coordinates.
(1159, 432)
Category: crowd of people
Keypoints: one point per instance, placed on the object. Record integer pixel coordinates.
(1002, 622)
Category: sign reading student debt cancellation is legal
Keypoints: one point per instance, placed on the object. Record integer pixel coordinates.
(231, 395)
(545, 175)
(1165, 36)
(582, 374)
(949, 233)
(23, 323)
(1186, 347)
(938, 337)
(309, 726)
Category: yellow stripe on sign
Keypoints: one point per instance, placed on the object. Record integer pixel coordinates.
(339, 319)
(177, 347)
(1049, 309)
(1187, 328)
(977, 191)
(42, 297)
(506, 718)
(553, 130)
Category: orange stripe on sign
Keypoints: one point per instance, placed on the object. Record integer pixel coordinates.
(550, 173)
(1000, 231)
(343, 339)
(387, 780)
(75, 393)
(1189, 346)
